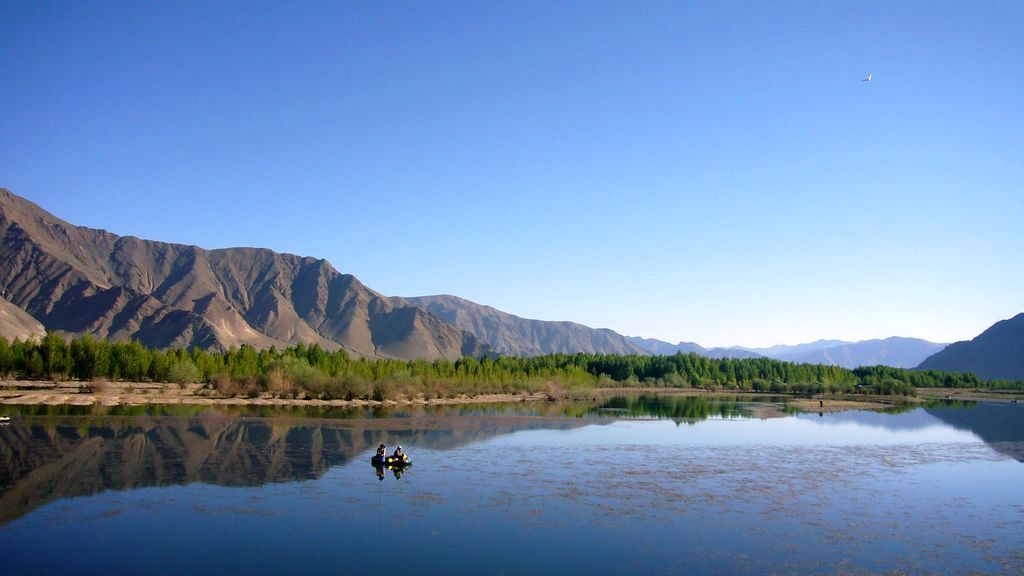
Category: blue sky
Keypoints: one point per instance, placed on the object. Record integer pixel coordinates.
(713, 172)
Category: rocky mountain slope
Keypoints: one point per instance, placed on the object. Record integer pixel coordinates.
(514, 336)
(82, 280)
(995, 354)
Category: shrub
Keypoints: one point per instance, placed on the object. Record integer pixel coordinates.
(382, 391)
(183, 372)
(357, 387)
(280, 385)
(227, 385)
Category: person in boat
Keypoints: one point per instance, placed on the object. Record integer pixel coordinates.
(382, 452)
(399, 454)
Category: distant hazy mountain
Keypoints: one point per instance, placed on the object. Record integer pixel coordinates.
(16, 323)
(895, 351)
(82, 280)
(514, 336)
(995, 354)
(786, 352)
(733, 352)
(662, 348)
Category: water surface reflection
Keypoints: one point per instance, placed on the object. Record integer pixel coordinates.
(85, 451)
(654, 485)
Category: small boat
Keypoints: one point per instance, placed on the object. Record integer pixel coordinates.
(5, 419)
(390, 461)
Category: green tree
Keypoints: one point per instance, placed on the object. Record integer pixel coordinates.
(6, 359)
(84, 357)
(56, 356)
(34, 367)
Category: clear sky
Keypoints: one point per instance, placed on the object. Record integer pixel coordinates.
(705, 171)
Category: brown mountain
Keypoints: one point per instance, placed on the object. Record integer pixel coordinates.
(16, 323)
(511, 335)
(82, 280)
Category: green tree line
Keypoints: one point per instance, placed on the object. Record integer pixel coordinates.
(311, 371)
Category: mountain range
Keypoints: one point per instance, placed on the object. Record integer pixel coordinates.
(60, 277)
(511, 335)
(81, 280)
(894, 351)
(662, 348)
(785, 351)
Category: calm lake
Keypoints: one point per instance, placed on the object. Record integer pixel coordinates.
(666, 485)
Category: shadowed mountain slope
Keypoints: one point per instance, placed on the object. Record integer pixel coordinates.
(81, 280)
(995, 354)
(16, 323)
(514, 336)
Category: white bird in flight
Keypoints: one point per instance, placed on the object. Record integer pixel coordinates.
(868, 79)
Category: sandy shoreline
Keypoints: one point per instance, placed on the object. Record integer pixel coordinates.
(143, 393)
(830, 405)
(969, 394)
(25, 392)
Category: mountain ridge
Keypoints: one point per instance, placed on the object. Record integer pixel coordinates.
(662, 348)
(782, 351)
(895, 351)
(517, 336)
(995, 354)
(84, 280)
(60, 277)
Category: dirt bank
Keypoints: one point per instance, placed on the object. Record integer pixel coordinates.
(970, 394)
(827, 405)
(140, 393)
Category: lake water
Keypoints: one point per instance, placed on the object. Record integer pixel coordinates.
(637, 485)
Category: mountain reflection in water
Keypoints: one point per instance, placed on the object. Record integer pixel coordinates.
(48, 453)
(80, 451)
(1000, 425)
